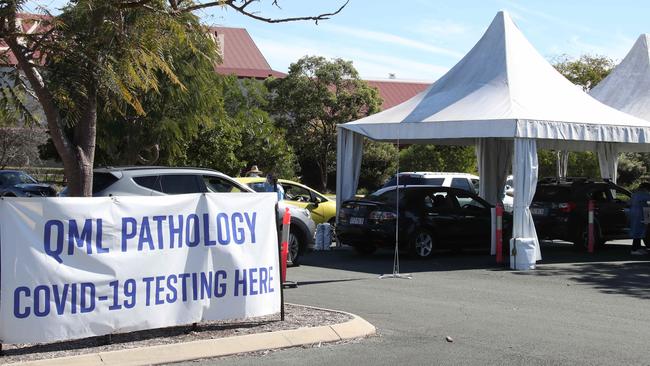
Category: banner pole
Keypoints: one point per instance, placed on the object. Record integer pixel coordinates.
(277, 220)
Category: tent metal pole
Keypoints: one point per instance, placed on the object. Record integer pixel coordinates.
(396, 273)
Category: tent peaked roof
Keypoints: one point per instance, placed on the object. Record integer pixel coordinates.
(502, 88)
(627, 87)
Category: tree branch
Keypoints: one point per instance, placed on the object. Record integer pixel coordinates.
(44, 96)
(133, 4)
(242, 9)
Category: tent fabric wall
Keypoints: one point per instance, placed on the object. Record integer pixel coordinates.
(348, 164)
(525, 169)
(494, 157)
(608, 160)
(501, 90)
(627, 87)
(562, 163)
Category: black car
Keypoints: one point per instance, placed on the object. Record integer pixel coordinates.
(16, 183)
(430, 218)
(560, 211)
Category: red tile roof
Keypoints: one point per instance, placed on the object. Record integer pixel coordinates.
(29, 24)
(394, 92)
(241, 55)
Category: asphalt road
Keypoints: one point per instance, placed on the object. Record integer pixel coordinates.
(575, 309)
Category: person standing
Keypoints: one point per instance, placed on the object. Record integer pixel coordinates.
(271, 185)
(640, 200)
(254, 172)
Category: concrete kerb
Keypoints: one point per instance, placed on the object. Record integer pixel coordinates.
(356, 327)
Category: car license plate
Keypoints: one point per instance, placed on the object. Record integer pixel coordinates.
(356, 220)
(538, 211)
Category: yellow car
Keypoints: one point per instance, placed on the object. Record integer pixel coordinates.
(322, 208)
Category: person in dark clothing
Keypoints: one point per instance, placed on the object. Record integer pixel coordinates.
(640, 200)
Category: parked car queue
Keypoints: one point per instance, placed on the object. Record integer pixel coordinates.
(434, 218)
(160, 181)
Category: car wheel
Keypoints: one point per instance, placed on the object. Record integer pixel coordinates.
(581, 241)
(294, 248)
(423, 244)
(366, 249)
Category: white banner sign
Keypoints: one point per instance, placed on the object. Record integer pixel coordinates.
(81, 267)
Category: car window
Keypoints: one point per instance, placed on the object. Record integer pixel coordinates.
(620, 195)
(218, 184)
(101, 181)
(296, 193)
(414, 180)
(11, 178)
(179, 184)
(552, 193)
(461, 183)
(441, 201)
(388, 197)
(147, 181)
(600, 195)
(467, 202)
(476, 183)
(257, 186)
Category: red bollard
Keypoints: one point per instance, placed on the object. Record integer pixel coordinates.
(590, 243)
(499, 233)
(286, 221)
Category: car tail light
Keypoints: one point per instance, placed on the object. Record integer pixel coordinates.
(382, 215)
(567, 206)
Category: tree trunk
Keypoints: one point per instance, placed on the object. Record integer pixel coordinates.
(80, 174)
(78, 155)
(322, 166)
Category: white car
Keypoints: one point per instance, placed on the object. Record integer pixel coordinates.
(464, 181)
(159, 181)
(508, 195)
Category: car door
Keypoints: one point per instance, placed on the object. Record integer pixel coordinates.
(302, 197)
(441, 214)
(612, 208)
(474, 216)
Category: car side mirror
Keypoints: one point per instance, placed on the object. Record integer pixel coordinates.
(316, 201)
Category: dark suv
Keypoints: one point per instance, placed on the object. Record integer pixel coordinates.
(560, 210)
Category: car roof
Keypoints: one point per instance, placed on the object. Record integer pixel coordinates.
(12, 171)
(153, 168)
(418, 186)
(247, 180)
(444, 174)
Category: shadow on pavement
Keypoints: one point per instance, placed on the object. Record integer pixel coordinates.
(611, 269)
(307, 283)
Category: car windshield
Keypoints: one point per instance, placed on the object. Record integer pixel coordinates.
(258, 186)
(551, 193)
(414, 180)
(388, 197)
(12, 178)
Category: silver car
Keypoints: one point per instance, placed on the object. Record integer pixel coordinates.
(158, 181)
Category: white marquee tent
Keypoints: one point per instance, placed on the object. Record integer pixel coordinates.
(507, 100)
(627, 87)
